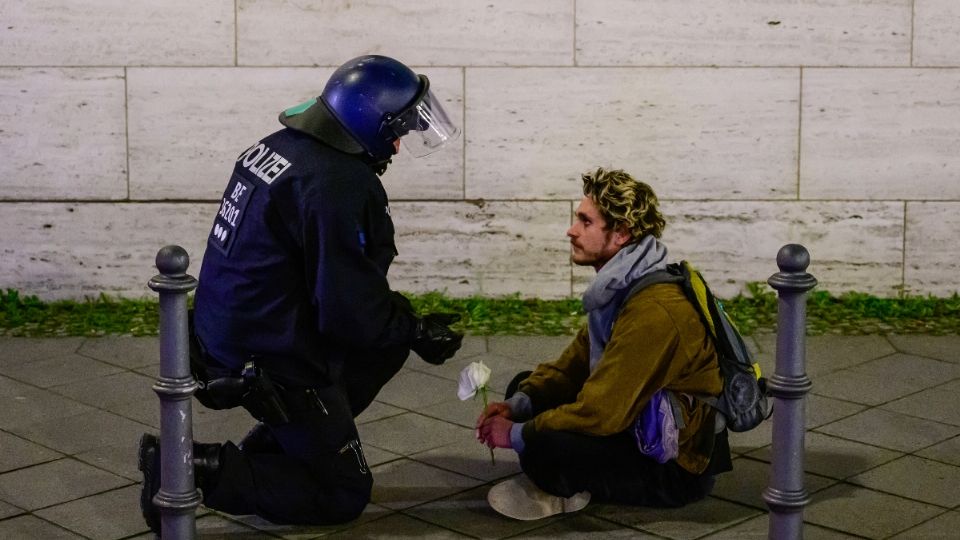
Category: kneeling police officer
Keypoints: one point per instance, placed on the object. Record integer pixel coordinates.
(294, 317)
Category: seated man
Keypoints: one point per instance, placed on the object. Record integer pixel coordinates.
(572, 420)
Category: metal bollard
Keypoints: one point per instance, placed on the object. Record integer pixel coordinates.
(789, 385)
(178, 497)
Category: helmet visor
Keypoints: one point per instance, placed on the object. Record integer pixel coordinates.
(425, 127)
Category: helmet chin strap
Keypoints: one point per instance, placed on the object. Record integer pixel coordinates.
(378, 167)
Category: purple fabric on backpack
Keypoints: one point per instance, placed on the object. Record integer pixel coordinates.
(656, 429)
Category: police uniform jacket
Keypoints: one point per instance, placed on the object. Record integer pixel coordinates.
(295, 271)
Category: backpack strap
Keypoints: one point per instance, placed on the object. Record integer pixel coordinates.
(677, 409)
(672, 274)
(697, 293)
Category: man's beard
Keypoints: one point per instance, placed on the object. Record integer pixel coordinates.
(573, 257)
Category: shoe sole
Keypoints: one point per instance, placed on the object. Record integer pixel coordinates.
(514, 499)
(146, 440)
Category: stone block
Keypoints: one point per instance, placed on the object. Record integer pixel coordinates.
(429, 32)
(87, 515)
(945, 525)
(188, 125)
(946, 348)
(72, 250)
(469, 513)
(403, 434)
(939, 404)
(887, 429)
(880, 134)
(28, 525)
(19, 453)
(491, 249)
(711, 515)
(63, 133)
(53, 483)
(25, 405)
(936, 24)
(866, 513)
(58, 370)
(880, 381)
(747, 33)
(405, 483)
(691, 133)
(853, 245)
(932, 250)
(947, 451)
(117, 33)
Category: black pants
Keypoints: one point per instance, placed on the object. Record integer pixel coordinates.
(314, 472)
(611, 468)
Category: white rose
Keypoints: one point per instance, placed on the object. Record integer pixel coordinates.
(472, 378)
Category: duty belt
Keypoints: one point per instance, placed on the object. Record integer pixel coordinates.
(254, 390)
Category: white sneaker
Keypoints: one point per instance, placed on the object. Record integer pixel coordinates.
(519, 498)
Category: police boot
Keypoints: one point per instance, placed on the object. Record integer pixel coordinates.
(149, 464)
(206, 463)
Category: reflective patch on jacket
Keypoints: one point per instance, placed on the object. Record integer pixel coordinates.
(230, 215)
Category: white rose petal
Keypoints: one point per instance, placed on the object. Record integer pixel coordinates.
(472, 378)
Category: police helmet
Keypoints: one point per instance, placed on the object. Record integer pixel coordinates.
(370, 102)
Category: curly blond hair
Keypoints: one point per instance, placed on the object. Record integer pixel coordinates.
(624, 201)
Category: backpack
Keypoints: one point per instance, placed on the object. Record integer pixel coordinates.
(742, 403)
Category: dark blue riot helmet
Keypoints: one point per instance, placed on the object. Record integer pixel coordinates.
(370, 102)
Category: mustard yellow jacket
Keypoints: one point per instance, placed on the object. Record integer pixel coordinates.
(657, 342)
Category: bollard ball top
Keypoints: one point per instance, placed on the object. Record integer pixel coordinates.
(793, 258)
(172, 261)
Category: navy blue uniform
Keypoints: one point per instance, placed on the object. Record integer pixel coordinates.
(294, 278)
(296, 265)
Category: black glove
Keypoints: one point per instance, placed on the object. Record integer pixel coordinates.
(433, 339)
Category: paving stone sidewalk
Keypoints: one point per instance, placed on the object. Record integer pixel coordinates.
(882, 448)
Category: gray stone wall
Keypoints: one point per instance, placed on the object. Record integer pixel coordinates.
(833, 123)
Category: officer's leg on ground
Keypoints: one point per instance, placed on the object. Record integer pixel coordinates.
(260, 440)
(367, 371)
(320, 478)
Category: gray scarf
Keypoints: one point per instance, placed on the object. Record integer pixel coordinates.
(602, 298)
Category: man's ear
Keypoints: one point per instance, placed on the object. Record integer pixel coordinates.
(621, 236)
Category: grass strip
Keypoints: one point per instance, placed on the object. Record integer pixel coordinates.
(847, 314)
